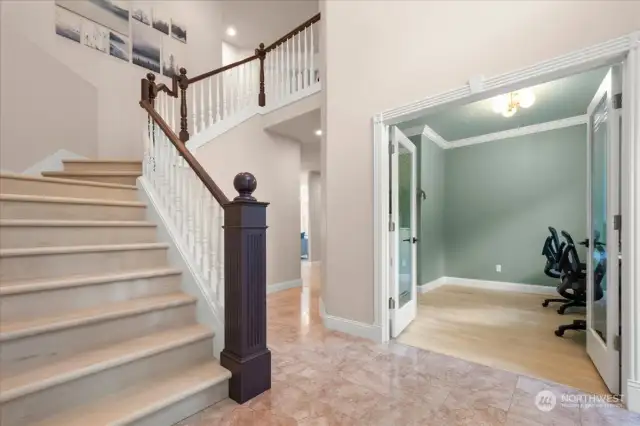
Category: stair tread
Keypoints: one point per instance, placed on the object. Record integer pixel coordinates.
(66, 181)
(142, 399)
(23, 328)
(64, 223)
(92, 173)
(93, 361)
(68, 200)
(8, 287)
(33, 251)
(80, 160)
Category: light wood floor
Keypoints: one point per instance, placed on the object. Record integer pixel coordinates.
(506, 330)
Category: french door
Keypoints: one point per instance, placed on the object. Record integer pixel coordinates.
(603, 206)
(403, 228)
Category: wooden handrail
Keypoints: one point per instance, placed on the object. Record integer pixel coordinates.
(221, 69)
(204, 177)
(293, 32)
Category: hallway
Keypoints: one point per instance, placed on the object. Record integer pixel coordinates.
(322, 377)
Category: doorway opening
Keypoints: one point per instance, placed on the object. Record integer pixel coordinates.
(505, 230)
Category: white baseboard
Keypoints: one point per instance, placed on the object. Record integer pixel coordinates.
(633, 396)
(285, 285)
(52, 163)
(423, 288)
(355, 328)
(488, 285)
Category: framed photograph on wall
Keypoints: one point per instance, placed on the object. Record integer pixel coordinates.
(95, 36)
(178, 31)
(141, 11)
(161, 21)
(145, 42)
(113, 14)
(172, 57)
(68, 25)
(118, 46)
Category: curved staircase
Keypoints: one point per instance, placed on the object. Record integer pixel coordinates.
(94, 327)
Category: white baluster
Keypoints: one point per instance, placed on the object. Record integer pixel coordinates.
(220, 251)
(299, 63)
(218, 97)
(197, 221)
(194, 110)
(211, 112)
(287, 68)
(238, 84)
(203, 110)
(305, 75)
(312, 70)
(206, 240)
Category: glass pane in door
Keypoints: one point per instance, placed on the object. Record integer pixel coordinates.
(405, 173)
(597, 246)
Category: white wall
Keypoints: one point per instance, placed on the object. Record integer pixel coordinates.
(384, 54)
(59, 94)
(231, 54)
(275, 162)
(315, 217)
(304, 202)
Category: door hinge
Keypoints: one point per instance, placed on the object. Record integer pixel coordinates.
(391, 148)
(392, 226)
(617, 222)
(617, 343)
(392, 303)
(617, 101)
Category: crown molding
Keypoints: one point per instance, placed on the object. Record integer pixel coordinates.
(434, 137)
(520, 131)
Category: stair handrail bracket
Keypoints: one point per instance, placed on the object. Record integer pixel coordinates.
(225, 240)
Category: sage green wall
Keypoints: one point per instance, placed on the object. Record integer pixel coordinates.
(431, 250)
(499, 198)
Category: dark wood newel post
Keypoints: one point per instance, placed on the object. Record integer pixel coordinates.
(261, 55)
(183, 83)
(245, 293)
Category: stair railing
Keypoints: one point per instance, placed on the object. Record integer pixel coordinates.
(225, 239)
(274, 75)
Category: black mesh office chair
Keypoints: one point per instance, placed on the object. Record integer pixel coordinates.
(554, 251)
(574, 277)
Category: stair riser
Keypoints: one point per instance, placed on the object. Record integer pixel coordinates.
(120, 180)
(70, 264)
(61, 189)
(47, 402)
(57, 302)
(186, 407)
(102, 167)
(62, 211)
(65, 236)
(18, 355)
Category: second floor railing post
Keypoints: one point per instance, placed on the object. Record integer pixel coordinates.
(261, 55)
(183, 84)
(245, 293)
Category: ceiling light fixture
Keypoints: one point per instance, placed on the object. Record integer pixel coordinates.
(318, 132)
(231, 32)
(508, 104)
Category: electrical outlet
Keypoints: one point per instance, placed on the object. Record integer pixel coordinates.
(498, 268)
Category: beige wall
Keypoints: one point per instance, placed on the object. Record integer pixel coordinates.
(91, 98)
(384, 54)
(315, 217)
(275, 162)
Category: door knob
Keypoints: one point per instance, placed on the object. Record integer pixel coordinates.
(413, 240)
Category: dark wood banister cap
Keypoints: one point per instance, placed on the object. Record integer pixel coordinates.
(221, 69)
(204, 177)
(293, 32)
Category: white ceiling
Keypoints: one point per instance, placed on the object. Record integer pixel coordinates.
(555, 100)
(264, 21)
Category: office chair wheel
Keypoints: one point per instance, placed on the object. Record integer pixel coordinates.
(561, 310)
(559, 332)
(545, 303)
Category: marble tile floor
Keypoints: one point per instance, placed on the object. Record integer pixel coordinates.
(322, 378)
